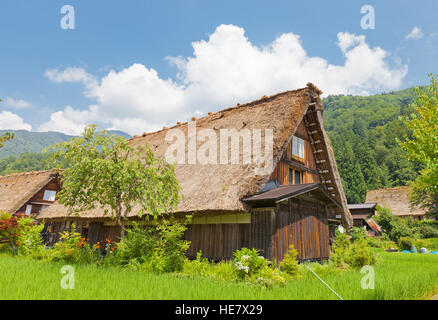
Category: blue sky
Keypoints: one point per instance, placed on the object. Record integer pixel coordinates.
(119, 66)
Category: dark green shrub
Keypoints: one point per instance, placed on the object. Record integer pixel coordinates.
(433, 244)
(400, 229)
(422, 243)
(248, 262)
(426, 230)
(158, 247)
(406, 243)
(359, 255)
(358, 234)
(355, 255)
(137, 245)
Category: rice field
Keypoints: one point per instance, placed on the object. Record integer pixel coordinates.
(397, 276)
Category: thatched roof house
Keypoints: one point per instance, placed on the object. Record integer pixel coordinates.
(27, 192)
(396, 199)
(219, 190)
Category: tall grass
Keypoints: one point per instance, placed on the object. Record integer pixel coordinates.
(398, 276)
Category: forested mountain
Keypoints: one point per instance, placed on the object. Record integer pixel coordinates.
(24, 152)
(29, 141)
(363, 133)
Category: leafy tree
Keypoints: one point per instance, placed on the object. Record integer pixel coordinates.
(6, 136)
(103, 171)
(422, 145)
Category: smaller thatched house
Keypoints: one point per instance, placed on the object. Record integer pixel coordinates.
(28, 192)
(396, 199)
(236, 205)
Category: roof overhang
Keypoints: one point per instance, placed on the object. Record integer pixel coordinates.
(284, 193)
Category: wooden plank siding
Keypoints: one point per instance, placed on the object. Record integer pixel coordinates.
(96, 231)
(217, 241)
(262, 231)
(304, 224)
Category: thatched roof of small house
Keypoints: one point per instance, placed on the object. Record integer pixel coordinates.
(18, 188)
(218, 187)
(396, 199)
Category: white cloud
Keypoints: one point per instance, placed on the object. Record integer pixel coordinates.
(17, 103)
(226, 69)
(415, 34)
(69, 121)
(72, 74)
(11, 121)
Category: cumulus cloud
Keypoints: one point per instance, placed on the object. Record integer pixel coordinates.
(415, 34)
(17, 103)
(226, 69)
(69, 121)
(11, 121)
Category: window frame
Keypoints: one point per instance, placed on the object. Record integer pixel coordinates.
(298, 148)
(49, 193)
(28, 210)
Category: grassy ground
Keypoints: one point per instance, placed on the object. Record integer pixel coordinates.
(398, 276)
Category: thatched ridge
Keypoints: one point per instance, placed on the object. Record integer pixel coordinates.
(396, 199)
(218, 187)
(16, 189)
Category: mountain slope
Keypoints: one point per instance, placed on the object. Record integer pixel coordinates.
(363, 132)
(28, 141)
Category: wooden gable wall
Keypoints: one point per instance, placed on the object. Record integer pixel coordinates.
(308, 166)
(37, 200)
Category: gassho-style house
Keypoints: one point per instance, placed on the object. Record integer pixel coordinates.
(29, 193)
(234, 205)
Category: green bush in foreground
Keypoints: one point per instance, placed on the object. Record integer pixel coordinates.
(158, 247)
(290, 262)
(356, 255)
(248, 262)
(72, 248)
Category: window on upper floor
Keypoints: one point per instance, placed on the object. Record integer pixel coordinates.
(49, 195)
(297, 148)
(295, 176)
(291, 176)
(298, 177)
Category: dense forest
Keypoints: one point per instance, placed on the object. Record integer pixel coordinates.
(363, 132)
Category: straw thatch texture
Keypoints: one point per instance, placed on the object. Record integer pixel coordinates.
(17, 189)
(396, 199)
(219, 187)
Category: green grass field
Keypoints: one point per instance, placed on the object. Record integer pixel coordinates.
(397, 276)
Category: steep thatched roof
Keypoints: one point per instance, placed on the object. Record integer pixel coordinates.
(16, 189)
(396, 199)
(218, 187)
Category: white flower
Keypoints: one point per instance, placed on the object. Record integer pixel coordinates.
(246, 269)
(239, 265)
(245, 257)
